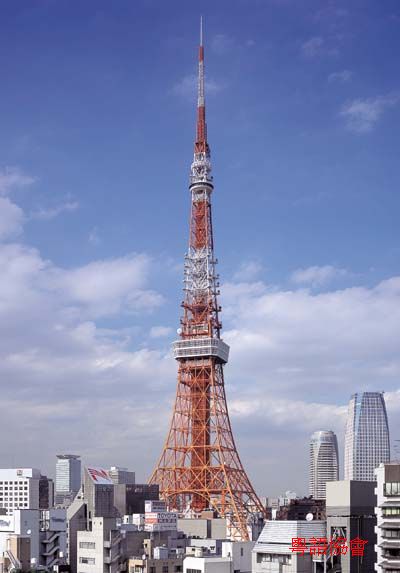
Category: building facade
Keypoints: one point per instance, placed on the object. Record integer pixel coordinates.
(100, 550)
(388, 517)
(324, 462)
(367, 436)
(77, 520)
(46, 493)
(350, 515)
(19, 489)
(130, 498)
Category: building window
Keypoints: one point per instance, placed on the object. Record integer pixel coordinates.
(391, 488)
(241, 552)
(152, 569)
(87, 545)
(178, 568)
(274, 558)
(391, 511)
(391, 533)
(193, 570)
(87, 560)
(165, 569)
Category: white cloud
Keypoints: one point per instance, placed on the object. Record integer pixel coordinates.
(13, 178)
(361, 115)
(340, 77)
(11, 219)
(160, 331)
(318, 276)
(296, 357)
(248, 271)
(327, 343)
(94, 238)
(222, 44)
(313, 47)
(108, 287)
(60, 369)
(186, 87)
(46, 213)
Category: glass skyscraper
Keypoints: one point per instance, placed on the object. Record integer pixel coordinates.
(367, 436)
(324, 462)
(68, 474)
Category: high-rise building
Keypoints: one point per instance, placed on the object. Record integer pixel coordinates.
(68, 477)
(199, 467)
(367, 436)
(324, 462)
(98, 492)
(121, 475)
(388, 517)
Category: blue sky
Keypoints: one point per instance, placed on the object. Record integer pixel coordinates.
(97, 110)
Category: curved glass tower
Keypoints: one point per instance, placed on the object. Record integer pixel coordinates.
(367, 436)
(324, 462)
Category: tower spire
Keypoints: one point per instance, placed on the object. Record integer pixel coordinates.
(201, 135)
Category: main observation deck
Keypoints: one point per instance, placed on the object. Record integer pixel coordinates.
(201, 348)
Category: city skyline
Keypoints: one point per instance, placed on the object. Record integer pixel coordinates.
(90, 254)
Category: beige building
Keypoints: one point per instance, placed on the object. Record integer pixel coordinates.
(17, 555)
(99, 550)
(206, 527)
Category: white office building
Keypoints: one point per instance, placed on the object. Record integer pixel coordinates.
(324, 462)
(367, 436)
(19, 489)
(388, 517)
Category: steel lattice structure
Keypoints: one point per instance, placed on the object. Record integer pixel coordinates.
(199, 467)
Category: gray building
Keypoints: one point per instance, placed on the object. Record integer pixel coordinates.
(77, 520)
(121, 475)
(204, 528)
(388, 517)
(350, 514)
(367, 436)
(98, 492)
(68, 477)
(130, 498)
(324, 462)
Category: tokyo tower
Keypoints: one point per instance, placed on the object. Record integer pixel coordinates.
(199, 467)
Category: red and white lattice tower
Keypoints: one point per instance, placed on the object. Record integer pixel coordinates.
(199, 467)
